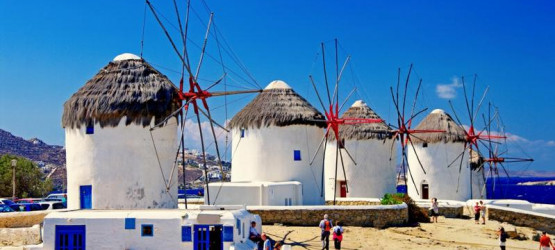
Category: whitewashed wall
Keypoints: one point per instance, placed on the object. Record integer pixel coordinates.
(106, 229)
(266, 155)
(257, 193)
(121, 165)
(478, 190)
(442, 180)
(372, 177)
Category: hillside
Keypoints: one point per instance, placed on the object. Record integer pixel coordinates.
(33, 149)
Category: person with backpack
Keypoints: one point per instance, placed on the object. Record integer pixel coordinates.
(338, 235)
(502, 238)
(326, 227)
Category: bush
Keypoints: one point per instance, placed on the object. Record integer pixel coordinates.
(392, 199)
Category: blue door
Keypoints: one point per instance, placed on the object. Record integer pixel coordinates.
(202, 237)
(85, 195)
(70, 237)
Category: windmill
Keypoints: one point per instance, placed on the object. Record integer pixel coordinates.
(497, 152)
(473, 138)
(196, 93)
(403, 132)
(332, 119)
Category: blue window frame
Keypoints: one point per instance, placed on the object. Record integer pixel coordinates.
(129, 223)
(228, 234)
(202, 237)
(297, 155)
(186, 234)
(147, 230)
(242, 132)
(90, 129)
(70, 237)
(238, 224)
(85, 195)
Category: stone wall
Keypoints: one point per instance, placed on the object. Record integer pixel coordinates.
(20, 236)
(521, 217)
(367, 216)
(447, 211)
(346, 202)
(22, 219)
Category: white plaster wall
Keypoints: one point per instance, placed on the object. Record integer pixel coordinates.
(121, 165)
(478, 185)
(266, 154)
(372, 177)
(106, 229)
(442, 180)
(257, 193)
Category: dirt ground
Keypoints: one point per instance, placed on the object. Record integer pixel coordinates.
(446, 234)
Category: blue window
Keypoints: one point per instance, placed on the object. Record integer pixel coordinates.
(242, 132)
(147, 230)
(297, 155)
(228, 234)
(90, 129)
(85, 195)
(186, 234)
(70, 237)
(129, 223)
(238, 224)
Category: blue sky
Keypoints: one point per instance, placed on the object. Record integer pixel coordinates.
(50, 49)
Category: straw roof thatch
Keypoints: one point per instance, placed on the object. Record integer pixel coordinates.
(439, 120)
(363, 131)
(277, 105)
(126, 87)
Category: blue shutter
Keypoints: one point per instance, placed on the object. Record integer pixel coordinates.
(242, 132)
(297, 155)
(90, 129)
(228, 234)
(186, 234)
(129, 223)
(70, 237)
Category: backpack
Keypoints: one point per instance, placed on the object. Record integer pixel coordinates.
(327, 225)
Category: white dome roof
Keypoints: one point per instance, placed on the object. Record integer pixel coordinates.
(359, 104)
(278, 84)
(438, 111)
(126, 56)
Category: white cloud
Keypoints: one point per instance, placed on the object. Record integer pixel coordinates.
(448, 91)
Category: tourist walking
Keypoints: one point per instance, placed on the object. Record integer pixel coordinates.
(326, 226)
(483, 212)
(477, 213)
(338, 235)
(545, 242)
(502, 238)
(434, 210)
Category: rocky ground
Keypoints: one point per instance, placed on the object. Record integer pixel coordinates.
(446, 234)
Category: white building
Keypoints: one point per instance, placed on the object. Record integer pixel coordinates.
(114, 160)
(118, 168)
(436, 151)
(205, 228)
(273, 140)
(370, 146)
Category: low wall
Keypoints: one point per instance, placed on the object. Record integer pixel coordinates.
(449, 209)
(22, 219)
(521, 217)
(355, 202)
(20, 236)
(366, 216)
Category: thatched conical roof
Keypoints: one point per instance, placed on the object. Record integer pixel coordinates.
(126, 87)
(363, 131)
(439, 120)
(277, 105)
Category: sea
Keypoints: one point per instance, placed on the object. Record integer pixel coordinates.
(507, 188)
